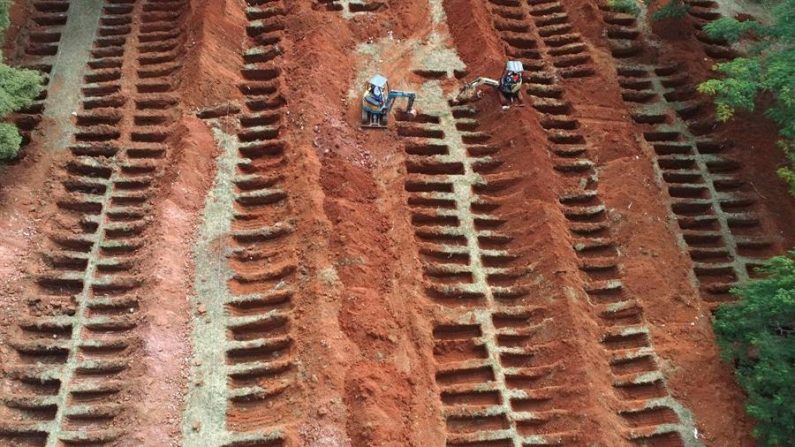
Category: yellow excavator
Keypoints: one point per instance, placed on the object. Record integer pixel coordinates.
(509, 86)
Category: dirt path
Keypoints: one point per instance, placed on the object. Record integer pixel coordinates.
(68, 68)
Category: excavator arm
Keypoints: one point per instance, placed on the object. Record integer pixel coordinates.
(394, 94)
(470, 92)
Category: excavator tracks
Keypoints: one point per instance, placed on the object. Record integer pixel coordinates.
(68, 380)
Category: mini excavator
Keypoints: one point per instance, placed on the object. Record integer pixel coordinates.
(509, 86)
(378, 100)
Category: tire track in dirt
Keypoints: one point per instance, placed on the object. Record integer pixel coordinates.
(75, 345)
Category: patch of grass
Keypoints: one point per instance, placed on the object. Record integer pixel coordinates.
(625, 6)
(674, 9)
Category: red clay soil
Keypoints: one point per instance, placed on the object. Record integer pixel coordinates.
(382, 369)
(363, 323)
(29, 211)
(22, 201)
(166, 331)
(216, 30)
(540, 229)
(20, 180)
(682, 329)
(754, 135)
(16, 32)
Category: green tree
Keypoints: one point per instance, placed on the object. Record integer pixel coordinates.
(18, 89)
(768, 67)
(757, 334)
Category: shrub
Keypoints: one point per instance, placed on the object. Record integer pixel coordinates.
(757, 334)
(787, 172)
(9, 141)
(674, 9)
(18, 89)
(625, 6)
(5, 20)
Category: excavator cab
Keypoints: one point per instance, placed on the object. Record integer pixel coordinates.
(511, 80)
(374, 102)
(511, 84)
(378, 100)
(513, 67)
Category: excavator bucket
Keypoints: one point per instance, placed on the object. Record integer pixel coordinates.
(469, 92)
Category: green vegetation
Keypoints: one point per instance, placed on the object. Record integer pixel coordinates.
(768, 68)
(18, 89)
(788, 173)
(5, 20)
(674, 9)
(625, 6)
(758, 335)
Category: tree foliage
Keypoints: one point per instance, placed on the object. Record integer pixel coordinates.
(769, 67)
(758, 335)
(787, 172)
(18, 89)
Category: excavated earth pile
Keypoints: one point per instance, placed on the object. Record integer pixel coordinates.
(201, 247)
